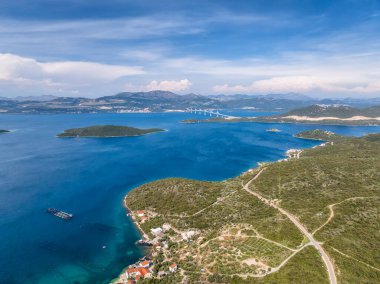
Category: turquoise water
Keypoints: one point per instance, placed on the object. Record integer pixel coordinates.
(89, 178)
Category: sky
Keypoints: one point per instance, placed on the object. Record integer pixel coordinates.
(94, 48)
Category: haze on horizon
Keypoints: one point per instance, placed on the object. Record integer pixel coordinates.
(93, 48)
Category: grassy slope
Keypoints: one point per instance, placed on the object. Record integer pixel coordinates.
(175, 197)
(327, 175)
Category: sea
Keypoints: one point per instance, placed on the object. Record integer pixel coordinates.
(89, 178)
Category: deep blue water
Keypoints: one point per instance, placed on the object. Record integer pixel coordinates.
(89, 178)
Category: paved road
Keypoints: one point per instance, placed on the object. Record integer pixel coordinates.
(325, 257)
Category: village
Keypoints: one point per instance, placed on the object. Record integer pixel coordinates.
(158, 241)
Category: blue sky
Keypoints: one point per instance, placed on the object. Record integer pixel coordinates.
(93, 48)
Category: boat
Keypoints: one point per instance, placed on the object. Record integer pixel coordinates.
(143, 243)
(60, 214)
(273, 130)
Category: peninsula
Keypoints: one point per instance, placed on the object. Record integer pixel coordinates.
(314, 216)
(314, 114)
(104, 131)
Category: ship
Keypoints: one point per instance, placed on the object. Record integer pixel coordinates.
(60, 214)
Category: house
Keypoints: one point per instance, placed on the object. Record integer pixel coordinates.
(156, 231)
(143, 219)
(166, 227)
(173, 267)
(140, 213)
(145, 264)
(188, 235)
(144, 272)
(132, 272)
(165, 245)
(157, 246)
(161, 274)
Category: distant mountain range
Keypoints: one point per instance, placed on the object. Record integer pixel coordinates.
(160, 101)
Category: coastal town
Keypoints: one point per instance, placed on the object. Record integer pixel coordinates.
(157, 263)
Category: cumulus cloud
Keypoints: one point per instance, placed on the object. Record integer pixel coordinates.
(173, 86)
(25, 71)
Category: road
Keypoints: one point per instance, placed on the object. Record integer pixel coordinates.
(325, 257)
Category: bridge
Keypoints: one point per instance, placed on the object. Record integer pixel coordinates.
(209, 112)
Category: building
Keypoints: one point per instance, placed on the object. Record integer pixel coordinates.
(143, 219)
(166, 227)
(137, 273)
(132, 272)
(144, 272)
(156, 231)
(173, 267)
(140, 213)
(188, 235)
(145, 264)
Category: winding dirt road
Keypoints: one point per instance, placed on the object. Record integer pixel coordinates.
(304, 231)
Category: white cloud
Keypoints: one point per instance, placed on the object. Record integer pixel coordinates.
(299, 84)
(22, 71)
(173, 86)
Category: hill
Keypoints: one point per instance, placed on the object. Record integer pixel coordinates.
(160, 101)
(107, 131)
(244, 230)
(318, 134)
(314, 114)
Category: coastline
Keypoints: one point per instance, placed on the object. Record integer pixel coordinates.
(290, 154)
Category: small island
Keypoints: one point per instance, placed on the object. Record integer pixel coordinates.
(107, 131)
(4, 131)
(317, 134)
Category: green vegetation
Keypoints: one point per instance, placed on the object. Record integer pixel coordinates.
(318, 134)
(3, 131)
(107, 131)
(333, 190)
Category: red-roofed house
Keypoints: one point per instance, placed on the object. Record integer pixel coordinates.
(143, 219)
(132, 272)
(140, 213)
(144, 272)
(145, 263)
(173, 267)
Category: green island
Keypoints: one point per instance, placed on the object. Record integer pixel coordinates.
(318, 134)
(313, 217)
(314, 114)
(4, 131)
(103, 131)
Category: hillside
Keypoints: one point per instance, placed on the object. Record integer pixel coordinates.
(330, 114)
(314, 114)
(107, 131)
(241, 233)
(161, 101)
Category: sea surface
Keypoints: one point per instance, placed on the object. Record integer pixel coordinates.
(90, 176)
